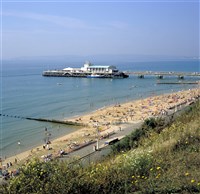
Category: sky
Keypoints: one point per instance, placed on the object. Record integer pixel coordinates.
(56, 28)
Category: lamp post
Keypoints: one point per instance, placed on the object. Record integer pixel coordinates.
(97, 130)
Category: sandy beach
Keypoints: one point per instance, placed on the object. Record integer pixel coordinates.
(106, 120)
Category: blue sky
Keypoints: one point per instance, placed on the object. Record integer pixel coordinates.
(45, 28)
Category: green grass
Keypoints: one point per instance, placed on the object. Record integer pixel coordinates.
(153, 159)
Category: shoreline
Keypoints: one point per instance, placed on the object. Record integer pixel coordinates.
(108, 119)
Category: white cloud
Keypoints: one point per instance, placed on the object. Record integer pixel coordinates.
(118, 25)
(66, 22)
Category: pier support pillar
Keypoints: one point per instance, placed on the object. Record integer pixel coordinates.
(160, 77)
(141, 76)
(180, 77)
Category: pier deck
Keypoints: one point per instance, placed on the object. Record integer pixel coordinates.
(162, 73)
(178, 82)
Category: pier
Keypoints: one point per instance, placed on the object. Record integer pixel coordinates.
(87, 71)
(160, 75)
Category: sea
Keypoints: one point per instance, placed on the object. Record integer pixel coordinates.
(25, 92)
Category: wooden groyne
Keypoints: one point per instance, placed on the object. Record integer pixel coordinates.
(56, 121)
(46, 120)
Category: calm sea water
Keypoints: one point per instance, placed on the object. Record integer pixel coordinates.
(26, 93)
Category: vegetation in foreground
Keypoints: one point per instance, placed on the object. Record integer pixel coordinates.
(153, 159)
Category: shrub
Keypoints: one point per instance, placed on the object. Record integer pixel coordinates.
(132, 140)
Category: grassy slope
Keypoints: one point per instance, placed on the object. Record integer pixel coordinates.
(164, 161)
(176, 157)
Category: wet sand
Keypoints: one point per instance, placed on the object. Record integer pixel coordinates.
(106, 120)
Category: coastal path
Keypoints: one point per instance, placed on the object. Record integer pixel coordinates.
(87, 154)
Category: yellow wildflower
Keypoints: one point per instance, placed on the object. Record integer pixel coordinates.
(157, 176)
(158, 168)
(192, 181)
(198, 184)
(133, 176)
(186, 174)
(151, 169)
